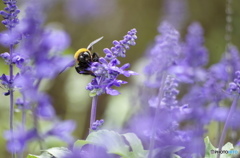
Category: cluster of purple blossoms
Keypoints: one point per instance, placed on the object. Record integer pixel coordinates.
(235, 85)
(107, 70)
(7, 83)
(193, 56)
(97, 124)
(17, 139)
(164, 54)
(170, 92)
(173, 122)
(10, 14)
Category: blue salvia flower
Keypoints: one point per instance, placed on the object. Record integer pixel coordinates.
(234, 87)
(162, 124)
(107, 70)
(37, 57)
(7, 83)
(233, 113)
(170, 92)
(10, 14)
(7, 38)
(17, 140)
(97, 124)
(41, 48)
(193, 56)
(194, 47)
(163, 54)
(63, 130)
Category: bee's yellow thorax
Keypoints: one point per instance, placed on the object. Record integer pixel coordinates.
(80, 51)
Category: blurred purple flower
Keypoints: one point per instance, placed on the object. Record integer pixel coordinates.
(44, 107)
(18, 139)
(163, 54)
(63, 131)
(22, 104)
(7, 83)
(170, 93)
(220, 74)
(79, 10)
(196, 54)
(106, 69)
(39, 56)
(193, 57)
(170, 123)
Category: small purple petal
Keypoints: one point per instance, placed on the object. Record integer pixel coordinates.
(112, 91)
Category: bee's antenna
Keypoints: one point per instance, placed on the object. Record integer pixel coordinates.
(90, 46)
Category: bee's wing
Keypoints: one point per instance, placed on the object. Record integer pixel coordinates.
(90, 46)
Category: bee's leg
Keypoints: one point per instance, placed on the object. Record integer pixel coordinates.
(95, 57)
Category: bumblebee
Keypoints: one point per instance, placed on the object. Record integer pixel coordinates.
(84, 57)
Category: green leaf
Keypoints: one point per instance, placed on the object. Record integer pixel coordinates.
(93, 93)
(32, 156)
(80, 143)
(111, 140)
(43, 155)
(58, 152)
(136, 145)
(228, 146)
(208, 148)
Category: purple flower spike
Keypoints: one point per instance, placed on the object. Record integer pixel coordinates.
(106, 70)
(10, 14)
(196, 54)
(120, 47)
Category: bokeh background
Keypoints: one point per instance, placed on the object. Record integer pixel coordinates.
(87, 20)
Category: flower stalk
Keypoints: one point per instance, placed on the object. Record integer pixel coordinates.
(227, 122)
(11, 89)
(93, 112)
(155, 119)
(11, 114)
